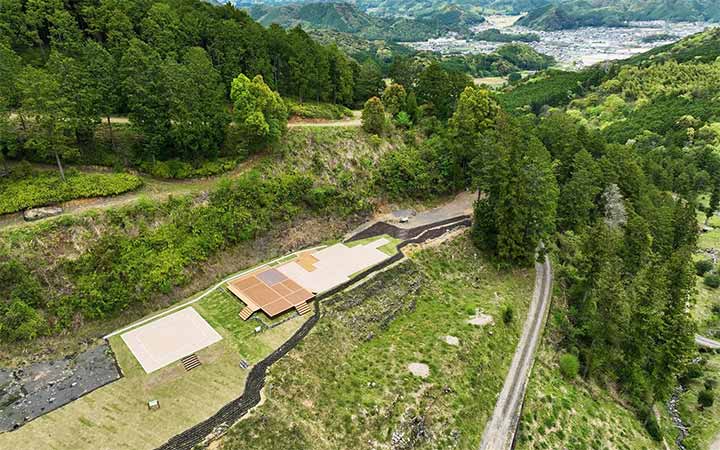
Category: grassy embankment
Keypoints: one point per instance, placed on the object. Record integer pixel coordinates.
(575, 414)
(347, 385)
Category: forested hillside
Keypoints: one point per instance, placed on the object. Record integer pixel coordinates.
(553, 14)
(347, 18)
(67, 67)
(604, 167)
(625, 248)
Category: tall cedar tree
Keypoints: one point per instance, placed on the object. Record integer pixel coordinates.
(518, 197)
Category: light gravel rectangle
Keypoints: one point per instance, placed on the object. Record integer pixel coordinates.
(168, 339)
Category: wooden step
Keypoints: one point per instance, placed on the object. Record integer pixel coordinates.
(246, 313)
(190, 362)
(303, 309)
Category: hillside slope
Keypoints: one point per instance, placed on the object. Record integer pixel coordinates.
(347, 18)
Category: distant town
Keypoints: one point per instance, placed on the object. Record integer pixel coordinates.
(577, 48)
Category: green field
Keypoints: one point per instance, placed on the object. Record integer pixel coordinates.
(347, 385)
(575, 415)
(116, 416)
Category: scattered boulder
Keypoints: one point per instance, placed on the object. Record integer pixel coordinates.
(419, 369)
(480, 320)
(33, 214)
(451, 340)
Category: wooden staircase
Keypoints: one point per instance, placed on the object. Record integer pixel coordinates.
(246, 313)
(303, 309)
(190, 362)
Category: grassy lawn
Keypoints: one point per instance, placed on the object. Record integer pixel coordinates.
(574, 415)
(116, 416)
(389, 249)
(347, 385)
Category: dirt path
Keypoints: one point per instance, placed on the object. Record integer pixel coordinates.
(354, 121)
(716, 444)
(153, 189)
(500, 430)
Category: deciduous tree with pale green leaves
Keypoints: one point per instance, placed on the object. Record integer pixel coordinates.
(259, 112)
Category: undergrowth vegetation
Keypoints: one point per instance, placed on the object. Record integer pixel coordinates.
(43, 188)
(315, 110)
(95, 266)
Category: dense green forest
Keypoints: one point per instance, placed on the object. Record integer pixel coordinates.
(67, 67)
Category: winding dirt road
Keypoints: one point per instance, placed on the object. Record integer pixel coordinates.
(500, 430)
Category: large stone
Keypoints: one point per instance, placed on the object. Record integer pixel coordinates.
(419, 369)
(480, 320)
(41, 213)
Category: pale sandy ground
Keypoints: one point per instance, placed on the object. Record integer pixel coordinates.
(354, 121)
(716, 445)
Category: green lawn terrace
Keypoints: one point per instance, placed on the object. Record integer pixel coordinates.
(403, 347)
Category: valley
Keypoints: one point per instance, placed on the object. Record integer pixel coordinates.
(577, 48)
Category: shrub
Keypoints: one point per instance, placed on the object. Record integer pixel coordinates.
(313, 110)
(508, 314)
(179, 170)
(710, 384)
(403, 120)
(703, 266)
(706, 398)
(716, 309)
(47, 188)
(20, 322)
(649, 420)
(712, 280)
(569, 366)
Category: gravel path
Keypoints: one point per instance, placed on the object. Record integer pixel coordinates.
(707, 343)
(354, 121)
(500, 430)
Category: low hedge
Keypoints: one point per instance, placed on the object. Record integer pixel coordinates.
(46, 188)
(312, 110)
(179, 170)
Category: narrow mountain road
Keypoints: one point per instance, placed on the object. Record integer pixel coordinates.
(500, 430)
(702, 341)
